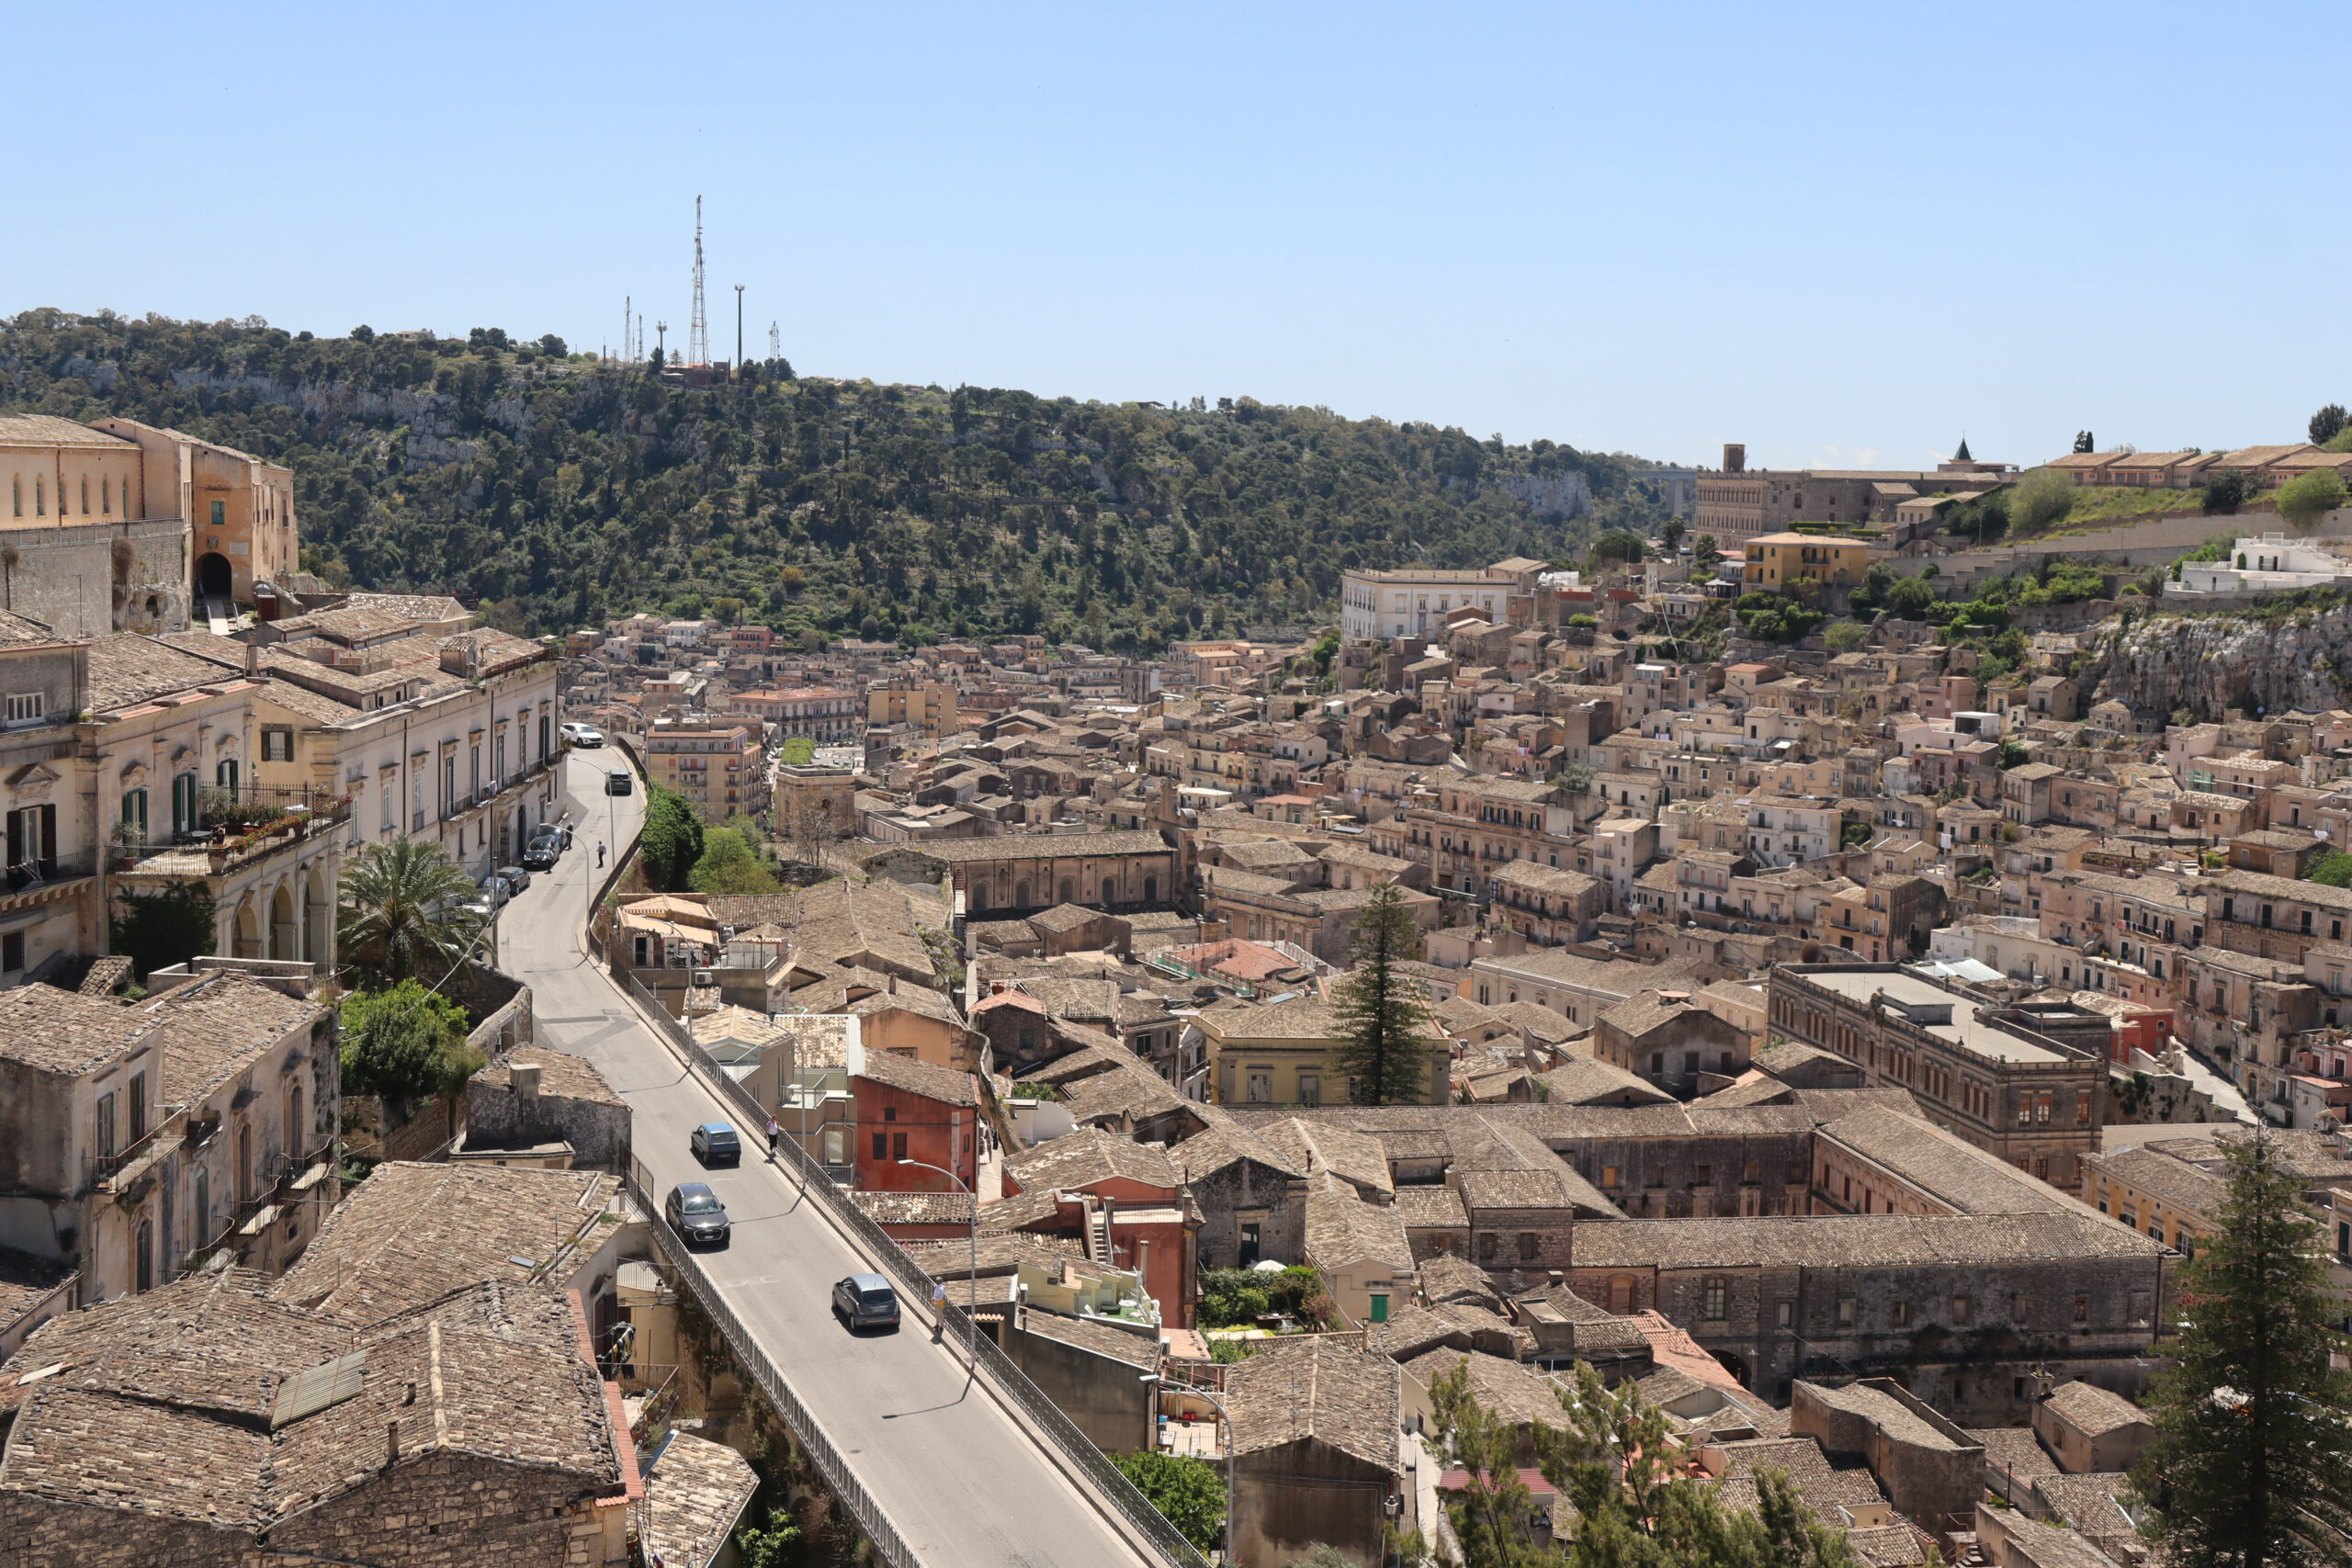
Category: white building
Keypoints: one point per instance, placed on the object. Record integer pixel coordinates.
(2273, 563)
(1414, 601)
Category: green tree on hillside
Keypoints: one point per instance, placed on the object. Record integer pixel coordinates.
(569, 492)
(1384, 1025)
(2306, 498)
(2252, 1464)
(2043, 497)
(2327, 424)
(2228, 490)
(729, 863)
(672, 843)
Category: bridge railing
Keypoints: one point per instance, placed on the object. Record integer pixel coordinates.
(1044, 1417)
(840, 1479)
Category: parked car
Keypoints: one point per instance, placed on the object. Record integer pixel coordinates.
(545, 848)
(495, 889)
(866, 1300)
(516, 877)
(715, 1142)
(586, 734)
(620, 782)
(694, 1212)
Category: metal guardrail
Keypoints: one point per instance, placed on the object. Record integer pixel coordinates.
(1045, 1417)
(840, 1479)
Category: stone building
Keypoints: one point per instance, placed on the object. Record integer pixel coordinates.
(2010, 1079)
(136, 1139)
(1315, 1451)
(1668, 1038)
(1021, 872)
(543, 1097)
(473, 1428)
(1780, 1299)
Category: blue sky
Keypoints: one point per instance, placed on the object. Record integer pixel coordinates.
(1843, 234)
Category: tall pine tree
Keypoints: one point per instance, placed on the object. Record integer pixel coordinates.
(1385, 1031)
(2252, 1465)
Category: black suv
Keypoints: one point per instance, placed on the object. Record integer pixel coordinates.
(694, 1212)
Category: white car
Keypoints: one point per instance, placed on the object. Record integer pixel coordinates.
(584, 735)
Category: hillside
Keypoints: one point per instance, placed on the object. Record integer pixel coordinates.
(556, 492)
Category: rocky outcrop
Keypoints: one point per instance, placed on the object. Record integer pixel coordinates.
(2211, 663)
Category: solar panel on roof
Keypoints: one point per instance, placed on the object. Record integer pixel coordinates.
(313, 1389)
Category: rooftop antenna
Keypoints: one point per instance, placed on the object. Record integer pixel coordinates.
(660, 339)
(698, 329)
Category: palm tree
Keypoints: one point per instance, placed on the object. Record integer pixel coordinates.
(402, 914)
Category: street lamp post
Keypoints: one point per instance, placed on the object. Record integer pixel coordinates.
(971, 1317)
(1216, 1403)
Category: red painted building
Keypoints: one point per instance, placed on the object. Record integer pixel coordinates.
(911, 1110)
(1151, 1222)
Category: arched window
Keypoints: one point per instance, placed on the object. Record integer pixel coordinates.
(225, 776)
(134, 815)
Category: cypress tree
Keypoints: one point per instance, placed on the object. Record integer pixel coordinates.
(2252, 1464)
(1384, 1026)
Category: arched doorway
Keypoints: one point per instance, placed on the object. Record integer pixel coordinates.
(213, 578)
(314, 919)
(283, 932)
(245, 942)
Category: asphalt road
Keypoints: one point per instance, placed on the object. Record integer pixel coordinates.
(959, 1478)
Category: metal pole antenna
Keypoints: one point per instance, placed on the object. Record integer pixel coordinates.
(738, 329)
(698, 329)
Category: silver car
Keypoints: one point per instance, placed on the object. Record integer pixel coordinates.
(866, 1300)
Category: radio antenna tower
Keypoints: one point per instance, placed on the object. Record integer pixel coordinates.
(629, 315)
(698, 329)
(776, 341)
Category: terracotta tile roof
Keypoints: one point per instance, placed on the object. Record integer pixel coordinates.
(412, 1233)
(566, 1077)
(696, 1492)
(1322, 1388)
(1342, 1228)
(66, 1032)
(949, 1086)
(1088, 1155)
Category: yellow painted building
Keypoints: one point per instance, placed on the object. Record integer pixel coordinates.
(1827, 558)
(1282, 1053)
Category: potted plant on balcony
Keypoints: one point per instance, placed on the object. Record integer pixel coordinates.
(128, 842)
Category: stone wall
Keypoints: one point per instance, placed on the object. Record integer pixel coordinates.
(91, 578)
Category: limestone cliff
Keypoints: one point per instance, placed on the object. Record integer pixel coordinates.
(2208, 664)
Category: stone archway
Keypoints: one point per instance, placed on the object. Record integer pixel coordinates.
(317, 939)
(284, 934)
(244, 929)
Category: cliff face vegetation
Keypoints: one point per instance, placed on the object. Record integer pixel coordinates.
(556, 491)
(2290, 657)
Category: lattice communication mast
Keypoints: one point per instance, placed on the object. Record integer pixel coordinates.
(698, 329)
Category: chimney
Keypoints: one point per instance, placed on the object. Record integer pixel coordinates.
(1555, 1278)
(523, 1079)
(1734, 457)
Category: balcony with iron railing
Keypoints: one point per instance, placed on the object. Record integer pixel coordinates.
(234, 827)
(40, 873)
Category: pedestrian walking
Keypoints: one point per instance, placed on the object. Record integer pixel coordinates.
(938, 1309)
(600, 854)
(775, 1137)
